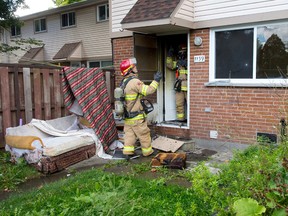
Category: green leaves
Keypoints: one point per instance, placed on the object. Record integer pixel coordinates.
(248, 207)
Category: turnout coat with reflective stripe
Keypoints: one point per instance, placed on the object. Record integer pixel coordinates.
(135, 87)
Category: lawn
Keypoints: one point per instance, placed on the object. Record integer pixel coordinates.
(254, 182)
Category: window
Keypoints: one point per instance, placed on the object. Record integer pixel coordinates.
(255, 54)
(102, 12)
(75, 64)
(15, 31)
(40, 25)
(68, 19)
(92, 64)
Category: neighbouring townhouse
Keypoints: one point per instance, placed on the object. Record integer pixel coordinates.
(237, 64)
(74, 35)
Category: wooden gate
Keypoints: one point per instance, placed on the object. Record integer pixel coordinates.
(28, 91)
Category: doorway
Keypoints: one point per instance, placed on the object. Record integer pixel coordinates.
(155, 53)
(174, 57)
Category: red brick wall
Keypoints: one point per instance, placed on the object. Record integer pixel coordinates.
(122, 49)
(237, 113)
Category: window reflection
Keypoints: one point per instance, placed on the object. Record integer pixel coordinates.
(272, 48)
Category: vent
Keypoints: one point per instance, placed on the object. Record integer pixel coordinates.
(267, 137)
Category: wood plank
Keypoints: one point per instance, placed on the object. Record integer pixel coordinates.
(27, 95)
(37, 93)
(57, 92)
(5, 95)
(46, 91)
(17, 94)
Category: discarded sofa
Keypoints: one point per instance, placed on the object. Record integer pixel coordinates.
(53, 145)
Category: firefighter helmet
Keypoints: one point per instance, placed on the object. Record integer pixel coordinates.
(127, 65)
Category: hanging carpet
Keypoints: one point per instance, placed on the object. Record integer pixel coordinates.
(88, 87)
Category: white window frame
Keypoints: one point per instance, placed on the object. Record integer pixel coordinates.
(69, 25)
(100, 62)
(106, 15)
(41, 30)
(253, 82)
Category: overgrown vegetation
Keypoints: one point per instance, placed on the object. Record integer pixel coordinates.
(255, 182)
(11, 175)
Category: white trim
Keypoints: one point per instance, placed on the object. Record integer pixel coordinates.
(39, 19)
(188, 80)
(69, 25)
(106, 5)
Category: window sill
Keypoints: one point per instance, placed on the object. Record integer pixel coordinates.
(243, 84)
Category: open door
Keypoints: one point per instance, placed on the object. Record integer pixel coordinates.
(173, 47)
(151, 53)
(145, 51)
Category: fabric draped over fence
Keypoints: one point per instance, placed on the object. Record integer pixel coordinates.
(88, 86)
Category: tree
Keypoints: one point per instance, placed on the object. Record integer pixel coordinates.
(7, 10)
(273, 62)
(64, 2)
(8, 20)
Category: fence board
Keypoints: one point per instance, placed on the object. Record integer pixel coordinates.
(5, 93)
(33, 91)
(17, 93)
(57, 93)
(37, 93)
(27, 94)
(47, 102)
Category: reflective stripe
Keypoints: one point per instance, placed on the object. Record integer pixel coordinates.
(132, 120)
(129, 148)
(180, 115)
(144, 90)
(183, 88)
(183, 71)
(130, 97)
(146, 150)
(154, 84)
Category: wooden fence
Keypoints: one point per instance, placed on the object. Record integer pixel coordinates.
(28, 92)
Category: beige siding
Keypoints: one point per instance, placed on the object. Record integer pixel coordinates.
(96, 44)
(186, 10)
(217, 9)
(119, 9)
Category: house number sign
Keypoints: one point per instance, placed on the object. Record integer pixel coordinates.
(199, 58)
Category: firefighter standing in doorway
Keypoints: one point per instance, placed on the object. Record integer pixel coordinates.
(179, 65)
(135, 123)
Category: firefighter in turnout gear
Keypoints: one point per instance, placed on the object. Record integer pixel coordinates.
(181, 83)
(135, 123)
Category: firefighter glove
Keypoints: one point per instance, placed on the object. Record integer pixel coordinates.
(158, 76)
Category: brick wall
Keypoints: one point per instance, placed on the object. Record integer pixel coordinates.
(236, 113)
(122, 49)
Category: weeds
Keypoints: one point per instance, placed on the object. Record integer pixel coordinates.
(11, 175)
(255, 178)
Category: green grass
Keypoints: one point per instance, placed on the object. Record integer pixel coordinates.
(11, 174)
(256, 178)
